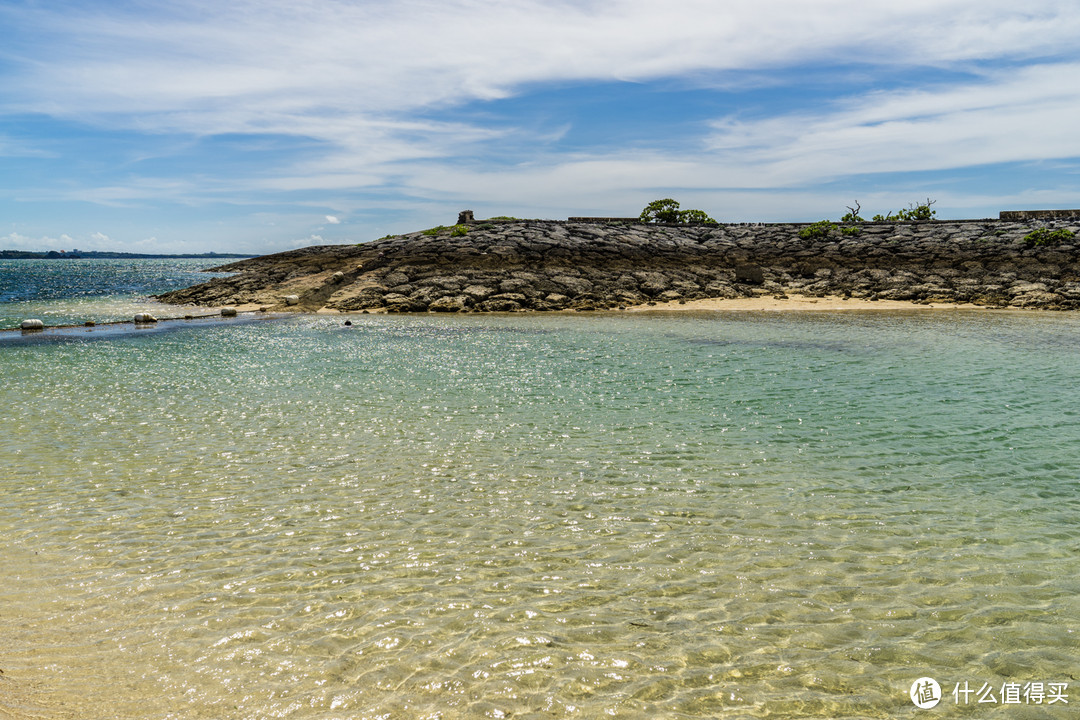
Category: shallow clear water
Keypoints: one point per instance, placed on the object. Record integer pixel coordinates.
(71, 292)
(694, 516)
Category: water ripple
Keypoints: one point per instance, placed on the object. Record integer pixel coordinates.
(538, 517)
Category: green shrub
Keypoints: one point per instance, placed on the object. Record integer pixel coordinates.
(667, 211)
(696, 217)
(818, 230)
(1045, 237)
(913, 213)
(850, 230)
(459, 231)
(432, 232)
(853, 216)
(661, 211)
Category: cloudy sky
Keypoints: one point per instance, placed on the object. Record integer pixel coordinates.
(262, 125)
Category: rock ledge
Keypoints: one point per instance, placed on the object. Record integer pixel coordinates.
(559, 265)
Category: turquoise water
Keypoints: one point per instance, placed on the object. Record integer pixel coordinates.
(71, 292)
(542, 516)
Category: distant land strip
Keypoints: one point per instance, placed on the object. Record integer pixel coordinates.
(80, 254)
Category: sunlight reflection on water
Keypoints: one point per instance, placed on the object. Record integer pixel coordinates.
(540, 516)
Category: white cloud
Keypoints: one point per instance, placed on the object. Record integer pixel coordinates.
(257, 66)
(18, 241)
(368, 80)
(1018, 115)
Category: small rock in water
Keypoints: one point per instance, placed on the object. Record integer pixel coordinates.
(145, 318)
(32, 325)
(89, 323)
(228, 312)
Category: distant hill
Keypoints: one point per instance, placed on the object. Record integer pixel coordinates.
(76, 254)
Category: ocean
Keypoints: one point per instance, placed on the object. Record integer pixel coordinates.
(73, 291)
(686, 515)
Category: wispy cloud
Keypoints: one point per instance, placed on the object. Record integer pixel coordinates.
(250, 66)
(397, 102)
(1017, 115)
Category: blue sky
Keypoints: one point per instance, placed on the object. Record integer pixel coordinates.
(264, 125)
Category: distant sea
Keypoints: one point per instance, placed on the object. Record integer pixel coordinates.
(72, 291)
(709, 515)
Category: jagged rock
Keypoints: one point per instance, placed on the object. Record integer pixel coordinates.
(426, 295)
(1036, 298)
(516, 284)
(478, 292)
(395, 299)
(444, 282)
(513, 297)
(749, 274)
(500, 305)
(1021, 287)
(573, 285)
(549, 265)
(652, 283)
(449, 303)
(721, 289)
(686, 287)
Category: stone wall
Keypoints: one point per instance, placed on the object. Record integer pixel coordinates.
(605, 220)
(1020, 215)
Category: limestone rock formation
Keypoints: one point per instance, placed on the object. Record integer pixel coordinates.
(509, 266)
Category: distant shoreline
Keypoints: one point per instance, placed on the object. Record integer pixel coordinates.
(110, 255)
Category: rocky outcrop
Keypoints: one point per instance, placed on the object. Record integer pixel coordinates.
(557, 265)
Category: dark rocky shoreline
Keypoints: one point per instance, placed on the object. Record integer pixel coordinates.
(558, 265)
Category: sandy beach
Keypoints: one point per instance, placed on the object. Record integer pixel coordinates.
(799, 303)
(791, 303)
